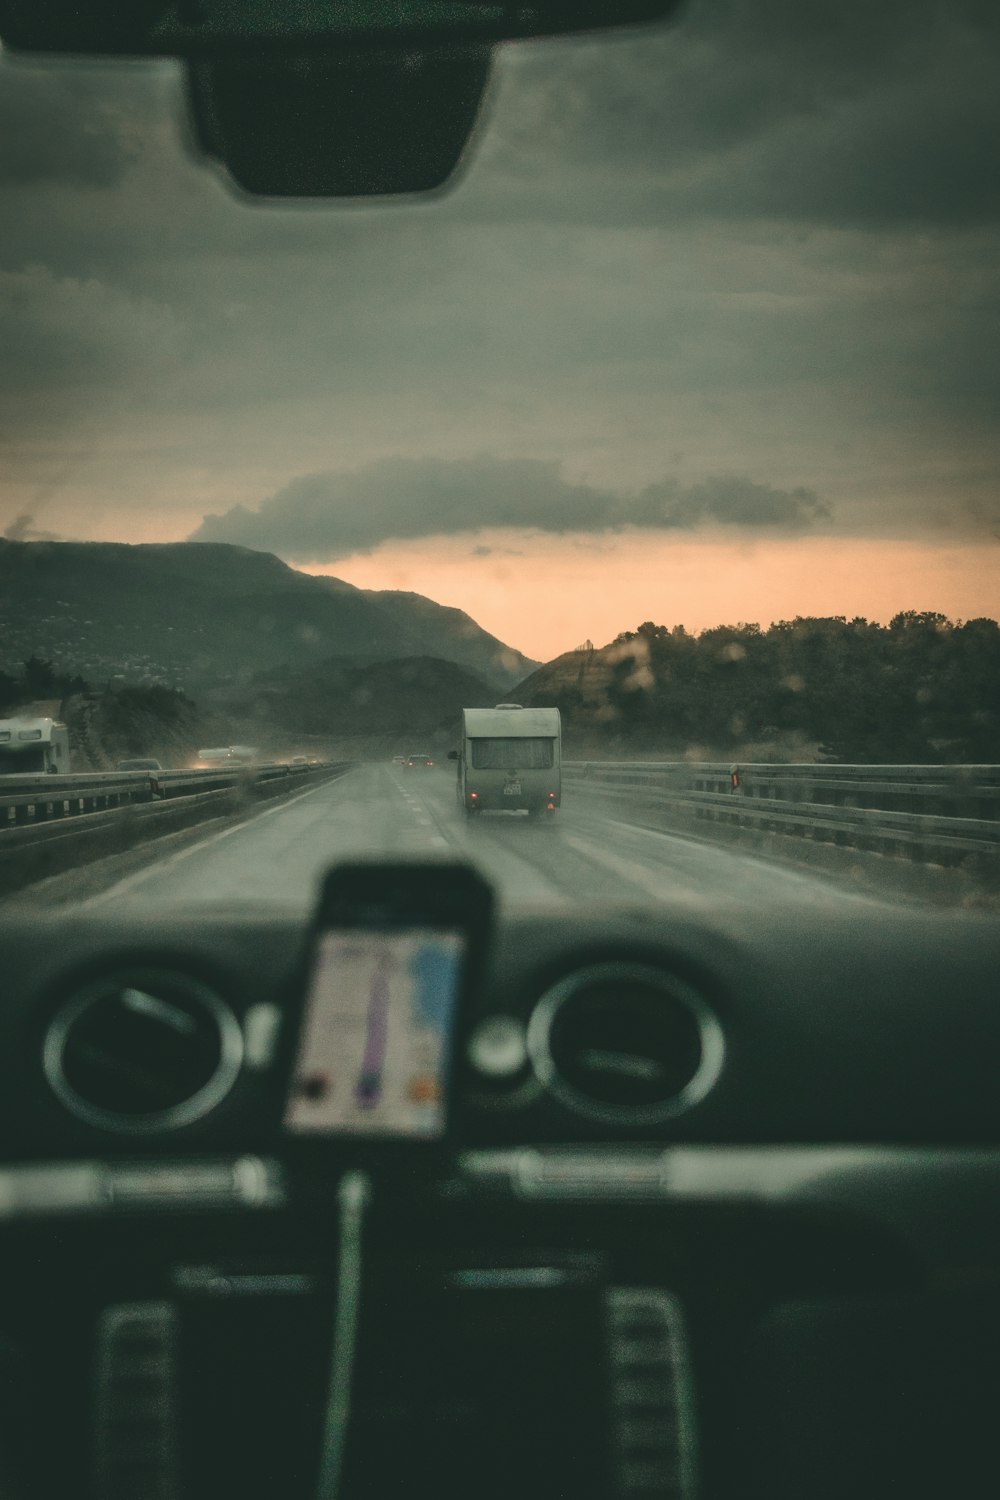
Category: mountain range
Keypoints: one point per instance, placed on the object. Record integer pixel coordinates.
(196, 615)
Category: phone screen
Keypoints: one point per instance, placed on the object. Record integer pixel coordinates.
(376, 1040)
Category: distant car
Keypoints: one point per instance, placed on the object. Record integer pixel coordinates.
(299, 760)
(138, 765)
(420, 761)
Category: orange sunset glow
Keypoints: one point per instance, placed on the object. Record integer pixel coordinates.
(567, 590)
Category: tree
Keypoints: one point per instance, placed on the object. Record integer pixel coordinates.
(39, 678)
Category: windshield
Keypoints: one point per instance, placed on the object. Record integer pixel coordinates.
(501, 755)
(676, 413)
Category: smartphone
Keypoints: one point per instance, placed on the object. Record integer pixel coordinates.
(395, 955)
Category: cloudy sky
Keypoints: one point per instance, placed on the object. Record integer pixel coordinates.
(705, 332)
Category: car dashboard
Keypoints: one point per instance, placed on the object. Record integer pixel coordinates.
(719, 1217)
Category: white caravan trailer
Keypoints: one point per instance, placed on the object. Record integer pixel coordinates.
(28, 745)
(510, 759)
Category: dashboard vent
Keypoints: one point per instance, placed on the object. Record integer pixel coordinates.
(625, 1043)
(142, 1050)
(653, 1406)
(135, 1415)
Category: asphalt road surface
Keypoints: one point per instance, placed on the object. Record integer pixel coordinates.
(585, 852)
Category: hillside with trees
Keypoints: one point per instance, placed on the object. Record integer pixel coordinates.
(417, 696)
(339, 707)
(194, 615)
(921, 689)
(107, 724)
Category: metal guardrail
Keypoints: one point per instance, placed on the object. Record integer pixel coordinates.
(924, 811)
(28, 801)
(88, 817)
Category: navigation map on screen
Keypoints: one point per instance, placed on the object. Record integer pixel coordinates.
(376, 1037)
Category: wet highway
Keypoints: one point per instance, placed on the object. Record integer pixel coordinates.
(586, 852)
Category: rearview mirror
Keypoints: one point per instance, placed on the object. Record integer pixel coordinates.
(330, 125)
(185, 28)
(320, 98)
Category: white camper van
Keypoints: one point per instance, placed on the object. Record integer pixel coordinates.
(28, 745)
(226, 757)
(509, 760)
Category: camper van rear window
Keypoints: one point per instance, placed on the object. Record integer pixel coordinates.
(534, 754)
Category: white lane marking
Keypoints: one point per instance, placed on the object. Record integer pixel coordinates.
(732, 872)
(757, 867)
(624, 868)
(519, 882)
(141, 876)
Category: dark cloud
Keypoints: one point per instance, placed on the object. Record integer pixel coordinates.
(23, 529)
(728, 500)
(57, 125)
(846, 113)
(317, 517)
(764, 237)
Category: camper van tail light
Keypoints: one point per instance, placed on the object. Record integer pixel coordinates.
(550, 807)
(29, 734)
(473, 796)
